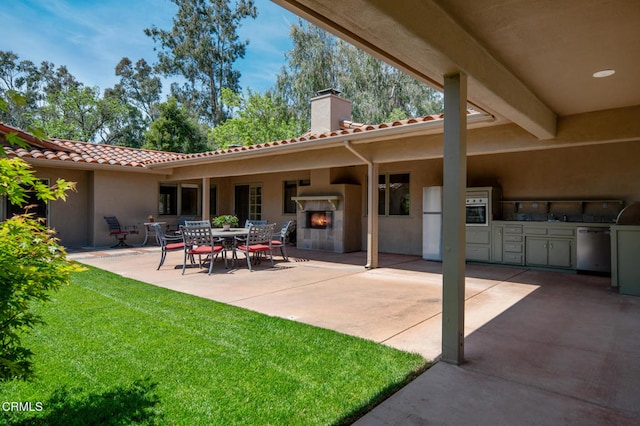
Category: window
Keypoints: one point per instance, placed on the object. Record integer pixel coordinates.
(393, 194)
(290, 190)
(175, 199)
(32, 205)
(168, 200)
(213, 200)
(189, 200)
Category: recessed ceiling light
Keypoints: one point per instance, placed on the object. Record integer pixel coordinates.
(604, 73)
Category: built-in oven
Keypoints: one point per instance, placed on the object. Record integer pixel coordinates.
(477, 210)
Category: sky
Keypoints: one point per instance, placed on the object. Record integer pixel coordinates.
(90, 37)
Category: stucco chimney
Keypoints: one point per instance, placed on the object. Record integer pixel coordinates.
(328, 110)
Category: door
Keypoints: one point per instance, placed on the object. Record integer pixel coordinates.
(248, 202)
(536, 251)
(560, 253)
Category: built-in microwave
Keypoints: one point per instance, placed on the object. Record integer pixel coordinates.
(477, 211)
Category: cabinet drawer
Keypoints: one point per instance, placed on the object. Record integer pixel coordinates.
(535, 231)
(516, 238)
(513, 247)
(564, 232)
(478, 253)
(513, 229)
(512, 258)
(478, 236)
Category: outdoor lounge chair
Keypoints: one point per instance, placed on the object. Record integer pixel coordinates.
(198, 241)
(119, 232)
(166, 242)
(258, 242)
(281, 240)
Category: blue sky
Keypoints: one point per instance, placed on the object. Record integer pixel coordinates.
(90, 37)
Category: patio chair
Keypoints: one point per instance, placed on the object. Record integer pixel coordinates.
(249, 222)
(166, 242)
(181, 221)
(199, 241)
(281, 239)
(258, 242)
(119, 232)
(197, 223)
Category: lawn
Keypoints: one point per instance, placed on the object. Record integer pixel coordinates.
(117, 351)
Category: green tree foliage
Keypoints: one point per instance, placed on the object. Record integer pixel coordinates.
(256, 119)
(175, 131)
(202, 47)
(32, 263)
(379, 92)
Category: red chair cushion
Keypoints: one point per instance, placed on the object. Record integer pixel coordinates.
(205, 250)
(174, 246)
(276, 243)
(255, 247)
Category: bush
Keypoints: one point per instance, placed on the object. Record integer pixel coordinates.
(32, 264)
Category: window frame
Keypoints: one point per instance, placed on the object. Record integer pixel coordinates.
(385, 194)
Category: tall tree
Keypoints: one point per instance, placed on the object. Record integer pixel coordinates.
(175, 131)
(257, 118)
(379, 92)
(202, 47)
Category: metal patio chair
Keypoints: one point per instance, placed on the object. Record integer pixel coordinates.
(198, 241)
(120, 232)
(166, 242)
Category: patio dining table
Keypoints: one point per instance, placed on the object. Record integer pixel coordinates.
(228, 238)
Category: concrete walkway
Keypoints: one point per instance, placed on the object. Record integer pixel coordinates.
(541, 348)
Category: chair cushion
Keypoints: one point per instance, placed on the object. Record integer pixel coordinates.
(174, 246)
(276, 243)
(254, 247)
(205, 250)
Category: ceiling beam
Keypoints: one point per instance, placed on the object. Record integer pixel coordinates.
(421, 39)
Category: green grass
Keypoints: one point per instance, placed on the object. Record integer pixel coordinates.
(117, 351)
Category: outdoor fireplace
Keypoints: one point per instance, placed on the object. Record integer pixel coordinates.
(319, 219)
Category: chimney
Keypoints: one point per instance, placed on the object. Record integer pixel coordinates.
(328, 110)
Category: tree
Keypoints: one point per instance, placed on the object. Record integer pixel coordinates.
(32, 263)
(256, 119)
(174, 130)
(379, 92)
(202, 47)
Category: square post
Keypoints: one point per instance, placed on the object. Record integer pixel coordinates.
(372, 216)
(454, 222)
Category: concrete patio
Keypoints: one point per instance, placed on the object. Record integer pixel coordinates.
(542, 347)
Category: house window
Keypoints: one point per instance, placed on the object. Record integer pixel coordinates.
(393, 194)
(189, 200)
(168, 200)
(175, 199)
(213, 200)
(32, 205)
(290, 190)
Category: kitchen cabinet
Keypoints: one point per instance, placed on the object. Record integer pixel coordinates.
(625, 250)
(478, 247)
(554, 252)
(497, 243)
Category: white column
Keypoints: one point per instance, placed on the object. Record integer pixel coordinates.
(455, 179)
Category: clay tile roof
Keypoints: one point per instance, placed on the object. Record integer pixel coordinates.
(91, 153)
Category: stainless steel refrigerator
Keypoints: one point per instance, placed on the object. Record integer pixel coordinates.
(432, 223)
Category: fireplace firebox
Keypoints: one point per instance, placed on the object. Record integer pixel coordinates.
(319, 219)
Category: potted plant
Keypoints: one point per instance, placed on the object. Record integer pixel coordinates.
(225, 221)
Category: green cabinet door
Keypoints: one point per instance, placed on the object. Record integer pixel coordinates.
(559, 253)
(536, 251)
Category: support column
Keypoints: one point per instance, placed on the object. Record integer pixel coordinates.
(453, 233)
(206, 195)
(372, 216)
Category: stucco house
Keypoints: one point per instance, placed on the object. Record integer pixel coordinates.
(527, 110)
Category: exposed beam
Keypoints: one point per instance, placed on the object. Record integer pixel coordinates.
(424, 41)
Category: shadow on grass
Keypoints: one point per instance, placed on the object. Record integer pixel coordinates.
(134, 404)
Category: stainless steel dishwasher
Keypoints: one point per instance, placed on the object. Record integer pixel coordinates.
(593, 249)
